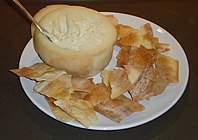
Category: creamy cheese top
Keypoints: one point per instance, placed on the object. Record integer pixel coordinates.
(78, 28)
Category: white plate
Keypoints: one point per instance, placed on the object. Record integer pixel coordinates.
(153, 108)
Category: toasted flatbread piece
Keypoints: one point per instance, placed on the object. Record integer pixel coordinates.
(152, 82)
(39, 72)
(51, 75)
(123, 57)
(151, 42)
(99, 93)
(105, 77)
(163, 47)
(146, 32)
(60, 88)
(136, 56)
(80, 94)
(58, 113)
(130, 37)
(124, 30)
(82, 84)
(79, 109)
(136, 38)
(118, 108)
(170, 65)
(33, 71)
(118, 81)
(133, 72)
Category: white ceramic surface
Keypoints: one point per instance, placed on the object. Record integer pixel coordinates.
(153, 108)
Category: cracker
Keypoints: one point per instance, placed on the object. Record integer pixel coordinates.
(123, 56)
(123, 31)
(133, 72)
(82, 84)
(119, 82)
(60, 88)
(39, 72)
(130, 37)
(99, 93)
(152, 82)
(79, 109)
(170, 65)
(58, 113)
(105, 77)
(118, 108)
(136, 56)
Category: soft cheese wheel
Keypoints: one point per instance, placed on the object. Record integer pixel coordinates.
(85, 40)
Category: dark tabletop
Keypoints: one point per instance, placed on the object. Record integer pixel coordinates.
(21, 119)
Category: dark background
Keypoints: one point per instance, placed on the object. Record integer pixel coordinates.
(20, 119)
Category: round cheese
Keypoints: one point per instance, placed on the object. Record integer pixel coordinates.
(84, 40)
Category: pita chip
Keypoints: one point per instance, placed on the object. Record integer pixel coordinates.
(99, 93)
(39, 72)
(79, 109)
(119, 108)
(136, 56)
(119, 82)
(60, 88)
(152, 82)
(170, 65)
(124, 30)
(58, 113)
(133, 72)
(82, 84)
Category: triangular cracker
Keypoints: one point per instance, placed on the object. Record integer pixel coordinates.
(118, 108)
(79, 109)
(130, 37)
(39, 72)
(82, 84)
(152, 82)
(170, 65)
(124, 30)
(118, 81)
(99, 93)
(58, 113)
(136, 56)
(133, 72)
(60, 88)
